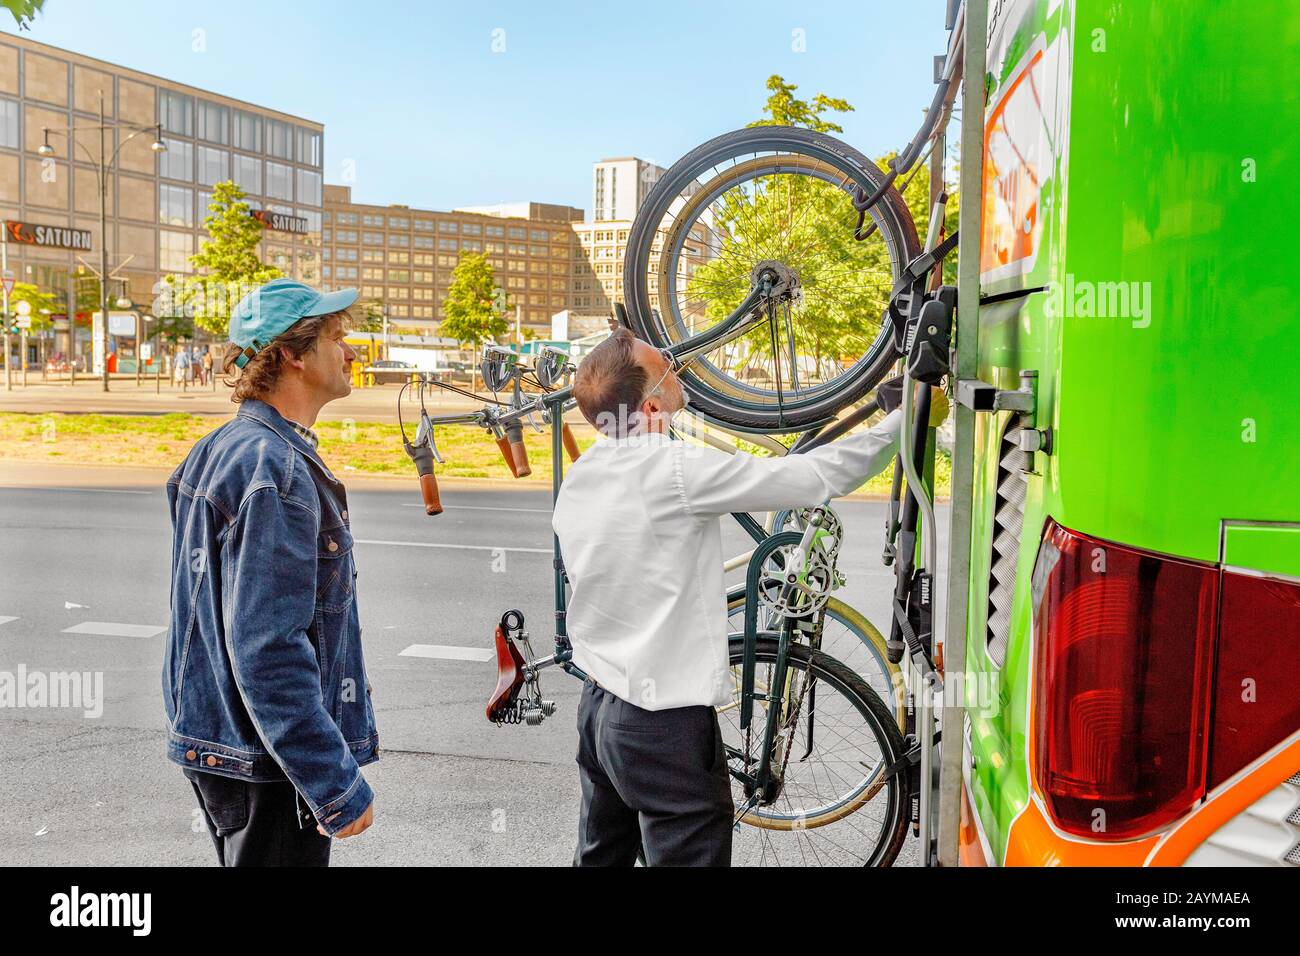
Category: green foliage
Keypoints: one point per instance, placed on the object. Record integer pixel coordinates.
(42, 303)
(783, 109)
(372, 317)
(174, 328)
(227, 265)
(471, 318)
(24, 11)
(808, 224)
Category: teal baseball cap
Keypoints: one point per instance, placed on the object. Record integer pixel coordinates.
(272, 308)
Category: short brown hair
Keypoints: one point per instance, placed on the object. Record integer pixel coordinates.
(259, 376)
(610, 384)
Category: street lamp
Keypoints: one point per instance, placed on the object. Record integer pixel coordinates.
(102, 168)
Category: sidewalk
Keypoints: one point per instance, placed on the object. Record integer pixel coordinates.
(377, 404)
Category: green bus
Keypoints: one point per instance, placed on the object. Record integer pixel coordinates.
(1133, 593)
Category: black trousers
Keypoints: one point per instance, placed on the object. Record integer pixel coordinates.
(258, 824)
(651, 780)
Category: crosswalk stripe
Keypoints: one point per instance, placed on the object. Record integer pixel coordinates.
(112, 629)
(447, 652)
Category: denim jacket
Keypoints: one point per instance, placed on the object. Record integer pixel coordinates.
(263, 677)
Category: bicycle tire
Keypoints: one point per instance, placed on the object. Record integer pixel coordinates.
(885, 729)
(891, 215)
(856, 623)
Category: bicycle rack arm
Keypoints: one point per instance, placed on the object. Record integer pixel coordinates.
(975, 14)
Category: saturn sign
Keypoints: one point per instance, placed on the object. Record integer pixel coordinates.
(52, 237)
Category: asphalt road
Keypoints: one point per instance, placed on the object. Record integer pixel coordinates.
(83, 552)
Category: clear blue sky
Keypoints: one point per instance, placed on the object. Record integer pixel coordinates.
(413, 94)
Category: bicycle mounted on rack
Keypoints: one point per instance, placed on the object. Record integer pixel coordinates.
(792, 569)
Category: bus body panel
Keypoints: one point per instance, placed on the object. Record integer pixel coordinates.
(1136, 199)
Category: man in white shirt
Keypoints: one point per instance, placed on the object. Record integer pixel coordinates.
(637, 518)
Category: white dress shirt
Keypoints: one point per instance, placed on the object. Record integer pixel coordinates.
(638, 523)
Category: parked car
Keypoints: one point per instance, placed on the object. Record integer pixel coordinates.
(391, 370)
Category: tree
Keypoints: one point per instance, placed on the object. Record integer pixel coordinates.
(471, 318)
(372, 317)
(783, 109)
(42, 305)
(371, 323)
(24, 11)
(227, 265)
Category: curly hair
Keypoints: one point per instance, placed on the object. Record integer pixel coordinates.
(258, 378)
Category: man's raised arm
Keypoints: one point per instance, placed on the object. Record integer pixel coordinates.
(715, 483)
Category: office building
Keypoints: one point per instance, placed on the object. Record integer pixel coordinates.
(156, 202)
(402, 258)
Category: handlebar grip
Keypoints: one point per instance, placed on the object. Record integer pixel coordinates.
(429, 488)
(523, 469)
(515, 436)
(422, 455)
(570, 443)
(504, 445)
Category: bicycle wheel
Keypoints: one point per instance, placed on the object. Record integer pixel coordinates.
(848, 637)
(773, 198)
(836, 805)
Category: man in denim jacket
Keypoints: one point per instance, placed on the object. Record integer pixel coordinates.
(264, 684)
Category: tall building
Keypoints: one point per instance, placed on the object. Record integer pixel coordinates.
(402, 258)
(156, 202)
(619, 186)
(598, 265)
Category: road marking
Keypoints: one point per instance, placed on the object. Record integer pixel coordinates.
(537, 511)
(456, 547)
(6, 618)
(110, 629)
(102, 491)
(446, 652)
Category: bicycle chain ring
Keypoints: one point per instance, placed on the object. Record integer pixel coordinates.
(788, 590)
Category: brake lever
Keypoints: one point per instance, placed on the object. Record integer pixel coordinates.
(424, 436)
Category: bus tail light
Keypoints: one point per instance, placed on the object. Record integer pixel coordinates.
(1123, 661)
(1256, 704)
